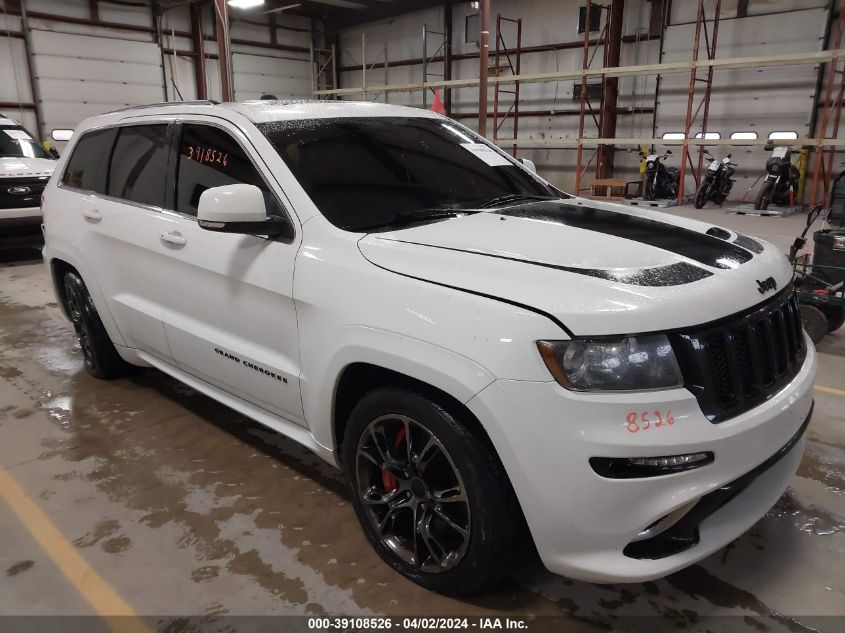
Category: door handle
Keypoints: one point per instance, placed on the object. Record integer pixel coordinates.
(92, 214)
(173, 238)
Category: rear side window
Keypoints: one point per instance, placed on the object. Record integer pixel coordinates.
(138, 170)
(87, 167)
(210, 157)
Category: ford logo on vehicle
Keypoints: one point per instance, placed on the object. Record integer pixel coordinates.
(767, 284)
(19, 191)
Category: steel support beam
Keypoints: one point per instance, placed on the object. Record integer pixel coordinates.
(33, 74)
(613, 53)
(198, 48)
(224, 50)
(483, 66)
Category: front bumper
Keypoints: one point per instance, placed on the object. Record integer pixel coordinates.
(581, 523)
(21, 214)
(19, 227)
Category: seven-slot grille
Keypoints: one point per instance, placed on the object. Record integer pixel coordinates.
(19, 193)
(737, 363)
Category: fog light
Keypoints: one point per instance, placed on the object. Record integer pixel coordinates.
(674, 460)
(633, 467)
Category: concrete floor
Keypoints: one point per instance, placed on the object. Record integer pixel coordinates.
(182, 507)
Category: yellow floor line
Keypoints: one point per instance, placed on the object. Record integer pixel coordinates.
(98, 593)
(835, 392)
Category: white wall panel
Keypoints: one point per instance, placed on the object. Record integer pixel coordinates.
(75, 82)
(257, 74)
(70, 8)
(685, 11)
(181, 70)
(14, 78)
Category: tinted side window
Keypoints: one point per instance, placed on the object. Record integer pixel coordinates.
(139, 164)
(87, 167)
(210, 157)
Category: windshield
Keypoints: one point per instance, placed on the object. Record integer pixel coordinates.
(387, 171)
(16, 141)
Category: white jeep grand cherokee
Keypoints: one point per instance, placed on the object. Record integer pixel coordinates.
(488, 359)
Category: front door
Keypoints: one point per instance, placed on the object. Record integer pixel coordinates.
(229, 315)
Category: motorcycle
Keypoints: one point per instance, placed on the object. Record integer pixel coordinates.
(717, 182)
(660, 181)
(781, 181)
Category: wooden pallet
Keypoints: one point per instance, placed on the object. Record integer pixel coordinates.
(774, 211)
(662, 203)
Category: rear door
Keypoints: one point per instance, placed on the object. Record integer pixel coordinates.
(230, 318)
(121, 173)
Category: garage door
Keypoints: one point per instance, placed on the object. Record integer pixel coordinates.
(84, 75)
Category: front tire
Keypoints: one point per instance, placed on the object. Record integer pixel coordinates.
(763, 197)
(701, 196)
(101, 357)
(814, 322)
(835, 317)
(431, 495)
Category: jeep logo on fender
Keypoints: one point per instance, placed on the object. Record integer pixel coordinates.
(766, 285)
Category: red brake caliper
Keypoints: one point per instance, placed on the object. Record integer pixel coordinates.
(387, 479)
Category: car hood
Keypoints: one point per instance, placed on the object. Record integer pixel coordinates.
(17, 167)
(595, 268)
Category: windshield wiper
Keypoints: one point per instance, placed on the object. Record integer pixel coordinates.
(410, 217)
(512, 197)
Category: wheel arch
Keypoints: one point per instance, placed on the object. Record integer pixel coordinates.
(59, 266)
(360, 378)
(58, 269)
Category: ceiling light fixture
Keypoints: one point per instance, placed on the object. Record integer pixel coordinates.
(245, 4)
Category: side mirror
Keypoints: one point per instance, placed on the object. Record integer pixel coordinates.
(239, 209)
(529, 164)
(52, 151)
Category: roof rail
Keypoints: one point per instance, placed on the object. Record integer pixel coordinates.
(166, 104)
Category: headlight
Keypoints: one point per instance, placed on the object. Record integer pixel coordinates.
(634, 363)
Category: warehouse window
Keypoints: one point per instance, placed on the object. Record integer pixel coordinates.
(88, 165)
(595, 18)
(595, 91)
(472, 27)
(744, 136)
(674, 136)
(210, 157)
(61, 135)
(138, 171)
(710, 135)
(785, 136)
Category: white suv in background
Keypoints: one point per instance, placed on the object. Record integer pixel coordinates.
(25, 167)
(488, 359)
